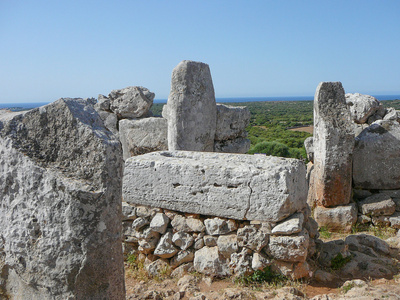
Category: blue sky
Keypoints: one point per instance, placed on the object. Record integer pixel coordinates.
(53, 49)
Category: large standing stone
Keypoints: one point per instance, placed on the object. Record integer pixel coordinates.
(235, 186)
(131, 102)
(231, 122)
(141, 136)
(378, 145)
(60, 196)
(191, 109)
(333, 146)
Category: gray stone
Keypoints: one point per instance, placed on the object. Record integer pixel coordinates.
(361, 194)
(110, 121)
(209, 261)
(379, 145)
(157, 267)
(183, 269)
(339, 218)
(289, 248)
(235, 186)
(191, 109)
(183, 240)
(363, 219)
(195, 225)
(128, 212)
(217, 226)
(165, 247)
(60, 225)
(140, 136)
(391, 114)
(159, 223)
(377, 205)
(139, 223)
(231, 122)
(198, 244)
(333, 146)
(227, 244)
(103, 103)
(372, 119)
(358, 242)
(323, 276)
(180, 223)
(312, 228)
(183, 256)
(210, 241)
(238, 145)
(362, 106)
(148, 240)
(251, 238)
(309, 145)
(241, 263)
(293, 224)
(147, 212)
(395, 220)
(131, 102)
(259, 262)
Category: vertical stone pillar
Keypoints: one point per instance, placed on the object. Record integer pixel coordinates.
(333, 146)
(191, 109)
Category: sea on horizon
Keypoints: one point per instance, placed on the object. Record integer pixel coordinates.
(30, 105)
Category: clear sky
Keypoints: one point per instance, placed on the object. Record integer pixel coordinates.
(255, 48)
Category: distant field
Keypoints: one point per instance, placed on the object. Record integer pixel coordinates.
(309, 129)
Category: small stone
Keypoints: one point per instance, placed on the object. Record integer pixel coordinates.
(199, 244)
(139, 223)
(241, 262)
(128, 211)
(182, 239)
(309, 145)
(210, 241)
(339, 218)
(381, 221)
(251, 238)
(156, 267)
(188, 283)
(363, 219)
(293, 224)
(182, 270)
(180, 223)
(159, 223)
(259, 261)
(227, 244)
(103, 103)
(170, 213)
(377, 205)
(183, 256)
(146, 212)
(195, 225)
(312, 228)
(217, 226)
(165, 248)
(292, 248)
(148, 240)
(209, 261)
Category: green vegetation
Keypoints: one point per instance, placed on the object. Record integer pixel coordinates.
(261, 276)
(381, 232)
(324, 232)
(339, 261)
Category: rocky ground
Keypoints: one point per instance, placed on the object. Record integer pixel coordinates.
(370, 272)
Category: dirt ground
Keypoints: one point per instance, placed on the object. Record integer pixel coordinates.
(309, 129)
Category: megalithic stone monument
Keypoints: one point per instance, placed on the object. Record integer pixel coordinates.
(333, 146)
(191, 110)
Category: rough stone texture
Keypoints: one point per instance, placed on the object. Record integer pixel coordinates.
(159, 223)
(293, 224)
(339, 218)
(392, 114)
(128, 212)
(309, 145)
(60, 180)
(259, 261)
(250, 237)
(227, 244)
(180, 223)
(183, 256)
(234, 186)
(289, 248)
(156, 267)
(362, 106)
(333, 146)
(238, 145)
(210, 241)
(110, 121)
(241, 262)
(131, 102)
(141, 136)
(379, 145)
(395, 220)
(103, 103)
(183, 240)
(209, 261)
(191, 109)
(217, 226)
(231, 122)
(377, 205)
(165, 247)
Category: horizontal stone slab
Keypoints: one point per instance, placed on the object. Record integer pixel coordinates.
(237, 186)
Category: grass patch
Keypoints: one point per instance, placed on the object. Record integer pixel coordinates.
(136, 268)
(339, 261)
(324, 232)
(260, 277)
(381, 232)
(348, 287)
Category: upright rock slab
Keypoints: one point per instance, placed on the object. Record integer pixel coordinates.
(191, 109)
(60, 196)
(333, 146)
(237, 186)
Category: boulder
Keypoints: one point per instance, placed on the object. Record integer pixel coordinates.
(237, 145)
(362, 106)
(60, 225)
(159, 223)
(333, 146)
(142, 136)
(377, 205)
(231, 122)
(234, 186)
(183, 240)
(379, 144)
(165, 247)
(209, 261)
(191, 109)
(339, 218)
(292, 248)
(131, 102)
(183, 256)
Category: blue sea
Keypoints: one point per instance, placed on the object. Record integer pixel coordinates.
(29, 105)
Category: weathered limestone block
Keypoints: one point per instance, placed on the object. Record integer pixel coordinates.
(260, 261)
(140, 136)
(293, 224)
(309, 145)
(110, 121)
(231, 122)
(362, 106)
(131, 102)
(209, 261)
(216, 226)
(183, 240)
(333, 146)
(159, 223)
(183, 256)
(233, 186)
(339, 218)
(165, 247)
(227, 244)
(237, 145)
(180, 223)
(377, 205)
(251, 238)
(191, 110)
(241, 262)
(292, 248)
(378, 145)
(60, 181)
